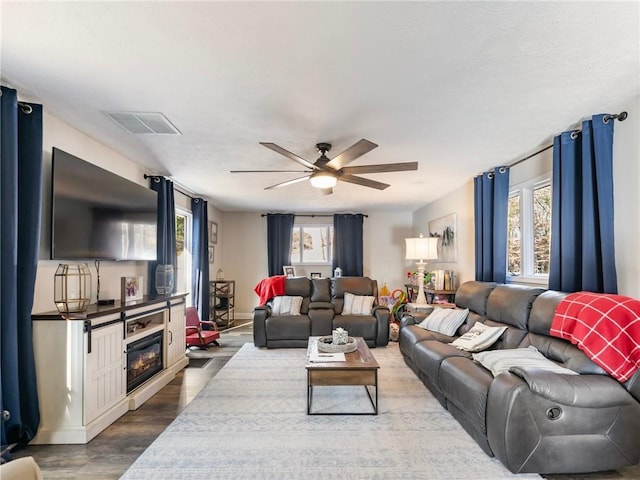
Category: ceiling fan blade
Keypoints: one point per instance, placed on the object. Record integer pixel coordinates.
(350, 154)
(268, 171)
(288, 154)
(365, 182)
(288, 182)
(385, 167)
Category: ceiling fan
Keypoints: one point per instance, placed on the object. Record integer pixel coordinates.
(325, 173)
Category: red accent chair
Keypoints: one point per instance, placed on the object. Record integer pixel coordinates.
(196, 336)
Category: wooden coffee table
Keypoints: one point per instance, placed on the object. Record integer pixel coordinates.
(359, 368)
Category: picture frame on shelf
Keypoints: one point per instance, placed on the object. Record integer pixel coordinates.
(213, 233)
(289, 271)
(445, 229)
(316, 275)
(131, 289)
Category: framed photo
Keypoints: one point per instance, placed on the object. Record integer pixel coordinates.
(213, 233)
(444, 228)
(211, 254)
(289, 271)
(316, 275)
(131, 289)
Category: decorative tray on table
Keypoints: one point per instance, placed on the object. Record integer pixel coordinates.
(325, 344)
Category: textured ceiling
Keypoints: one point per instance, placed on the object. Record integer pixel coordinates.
(456, 86)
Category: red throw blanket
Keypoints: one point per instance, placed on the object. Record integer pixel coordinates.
(605, 327)
(269, 288)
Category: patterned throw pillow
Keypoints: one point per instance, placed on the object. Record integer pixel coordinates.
(285, 305)
(499, 361)
(357, 304)
(479, 337)
(445, 320)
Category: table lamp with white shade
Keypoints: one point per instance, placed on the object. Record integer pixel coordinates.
(421, 249)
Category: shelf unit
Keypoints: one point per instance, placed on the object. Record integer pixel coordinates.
(222, 302)
(448, 295)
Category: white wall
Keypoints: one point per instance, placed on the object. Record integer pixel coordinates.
(383, 257)
(460, 202)
(59, 134)
(245, 255)
(626, 173)
(241, 248)
(626, 184)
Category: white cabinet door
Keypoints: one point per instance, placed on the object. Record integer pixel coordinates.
(176, 340)
(105, 378)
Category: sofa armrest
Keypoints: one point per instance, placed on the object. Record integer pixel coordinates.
(260, 315)
(594, 391)
(591, 414)
(383, 318)
(407, 319)
(412, 318)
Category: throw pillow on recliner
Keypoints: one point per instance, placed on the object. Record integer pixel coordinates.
(478, 338)
(286, 305)
(499, 361)
(357, 304)
(445, 320)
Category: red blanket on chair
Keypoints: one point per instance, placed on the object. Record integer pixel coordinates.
(269, 288)
(605, 327)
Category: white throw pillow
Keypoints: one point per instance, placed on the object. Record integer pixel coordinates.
(285, 305)
(499, 361)
(445, 320)
(479, 337)
(357, 304)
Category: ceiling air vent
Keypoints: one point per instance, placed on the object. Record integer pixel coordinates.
(144, 123)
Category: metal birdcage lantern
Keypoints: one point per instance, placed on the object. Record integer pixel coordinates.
(72, 288)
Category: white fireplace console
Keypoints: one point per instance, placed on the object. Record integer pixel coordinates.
(81, 364)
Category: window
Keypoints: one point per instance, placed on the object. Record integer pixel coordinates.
(312, 244)
(183, 251)
(529, 231)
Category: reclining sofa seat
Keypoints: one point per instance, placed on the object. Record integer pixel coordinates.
(531, 420)
(320, 313)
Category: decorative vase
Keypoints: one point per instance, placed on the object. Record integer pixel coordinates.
(164, 279)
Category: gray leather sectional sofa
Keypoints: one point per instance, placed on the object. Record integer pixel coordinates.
(320, 313)
(531, 420)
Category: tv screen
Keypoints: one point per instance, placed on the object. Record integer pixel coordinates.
(96, 214)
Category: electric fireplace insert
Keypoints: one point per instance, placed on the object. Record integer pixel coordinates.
(144, 360)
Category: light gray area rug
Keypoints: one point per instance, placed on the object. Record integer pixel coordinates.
(250, 422)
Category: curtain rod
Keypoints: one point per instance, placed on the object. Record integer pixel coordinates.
(622, 116)
(24, 106)
(176, 189)
(319, 215)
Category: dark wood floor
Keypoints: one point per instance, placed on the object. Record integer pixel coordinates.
(109, 454)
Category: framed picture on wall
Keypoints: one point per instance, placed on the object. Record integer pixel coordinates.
(445, 229)
(213, 233)
(211, 254)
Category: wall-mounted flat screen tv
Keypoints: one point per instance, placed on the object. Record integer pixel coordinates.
(96, 214)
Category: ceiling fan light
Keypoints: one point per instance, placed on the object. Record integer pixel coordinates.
(323, 180)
